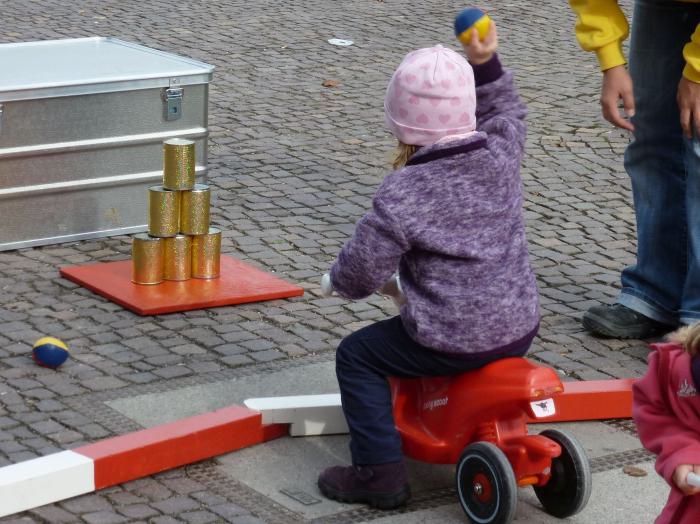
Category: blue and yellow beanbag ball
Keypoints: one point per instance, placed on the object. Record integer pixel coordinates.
(471, 18)
(50, 352)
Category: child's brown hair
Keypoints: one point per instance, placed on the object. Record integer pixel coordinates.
(403, 153)
(689, 337)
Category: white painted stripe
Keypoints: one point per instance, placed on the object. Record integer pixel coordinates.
(43, 480)
(280, 404)
(307, 414)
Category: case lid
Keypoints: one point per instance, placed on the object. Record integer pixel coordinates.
(80, 66)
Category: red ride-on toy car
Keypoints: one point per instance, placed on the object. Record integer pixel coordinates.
(478, 421)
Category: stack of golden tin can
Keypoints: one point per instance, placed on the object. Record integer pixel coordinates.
(179, 244)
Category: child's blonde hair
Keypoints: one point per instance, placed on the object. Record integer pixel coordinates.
(689, 337)
(403, 153)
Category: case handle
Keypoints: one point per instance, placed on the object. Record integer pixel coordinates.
(173, 103)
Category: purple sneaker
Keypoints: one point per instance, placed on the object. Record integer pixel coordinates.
(382, 486)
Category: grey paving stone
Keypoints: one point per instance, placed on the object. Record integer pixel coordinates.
(86, 504)
(229, 511)
(267, 356)
(53, 514)
(247, 519)
(138, 511)
(199, 517)
(124, 498)
(182, 485)
(237, 360)
(176, 505)
(104, 517)
(104, 383)
(172, 372)
(164, 520)
(258, 345)
(208, 498)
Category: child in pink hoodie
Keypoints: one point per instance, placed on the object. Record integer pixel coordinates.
(667, 413)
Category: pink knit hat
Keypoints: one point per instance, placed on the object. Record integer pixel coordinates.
(430, 96)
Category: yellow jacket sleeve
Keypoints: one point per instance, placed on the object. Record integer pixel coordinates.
(601, 27)
(691, 53)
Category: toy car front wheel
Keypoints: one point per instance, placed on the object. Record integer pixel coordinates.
(486, 484)
(569, 487)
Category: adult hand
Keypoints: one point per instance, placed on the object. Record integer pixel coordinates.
(680, 478)
(689, 103)
(617, 84)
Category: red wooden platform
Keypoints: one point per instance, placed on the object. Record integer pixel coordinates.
(237, 284)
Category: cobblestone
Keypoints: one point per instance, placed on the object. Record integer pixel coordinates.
(53, 514)
(293, 165)
(176, 505)
(138, 511)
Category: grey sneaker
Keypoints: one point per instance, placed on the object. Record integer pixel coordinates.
(618, 321)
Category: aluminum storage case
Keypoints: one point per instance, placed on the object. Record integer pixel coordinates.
(82, 123)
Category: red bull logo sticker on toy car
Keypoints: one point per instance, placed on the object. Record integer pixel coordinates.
(543, 408)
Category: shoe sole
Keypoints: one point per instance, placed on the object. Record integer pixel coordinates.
(376, 500)
(600, 326)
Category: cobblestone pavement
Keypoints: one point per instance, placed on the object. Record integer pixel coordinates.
(293, 166)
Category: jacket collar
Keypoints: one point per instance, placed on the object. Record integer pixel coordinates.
(447, 149)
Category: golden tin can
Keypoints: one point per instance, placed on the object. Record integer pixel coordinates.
(206, 254)
(163, 212)
(178, 257)
(146, 259)
(178, 164)
(194, 210)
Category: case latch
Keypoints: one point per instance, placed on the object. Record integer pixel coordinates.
(173, 103)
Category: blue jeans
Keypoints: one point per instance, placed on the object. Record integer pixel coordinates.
(664, 168)
(363, 362)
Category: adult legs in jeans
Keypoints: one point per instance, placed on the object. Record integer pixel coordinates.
(690, 299)
(663, 282)
(364, 360)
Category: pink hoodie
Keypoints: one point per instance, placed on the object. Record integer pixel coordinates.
(666, 410)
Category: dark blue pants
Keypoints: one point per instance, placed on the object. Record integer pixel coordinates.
(363, 362)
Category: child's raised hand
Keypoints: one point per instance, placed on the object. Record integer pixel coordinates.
(480, 51)
(680, 478)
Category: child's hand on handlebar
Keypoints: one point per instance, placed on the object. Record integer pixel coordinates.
(392, 288)
(326, 285)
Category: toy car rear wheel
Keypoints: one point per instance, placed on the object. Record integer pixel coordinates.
(486, 484)
(569, 487)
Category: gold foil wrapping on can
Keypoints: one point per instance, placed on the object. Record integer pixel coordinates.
(163, 212)
(206, 254)
(146, 259)
(194, 210)
(178, 164)
(177, 252)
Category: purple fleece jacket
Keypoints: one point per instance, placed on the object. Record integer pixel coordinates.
(451, 221)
